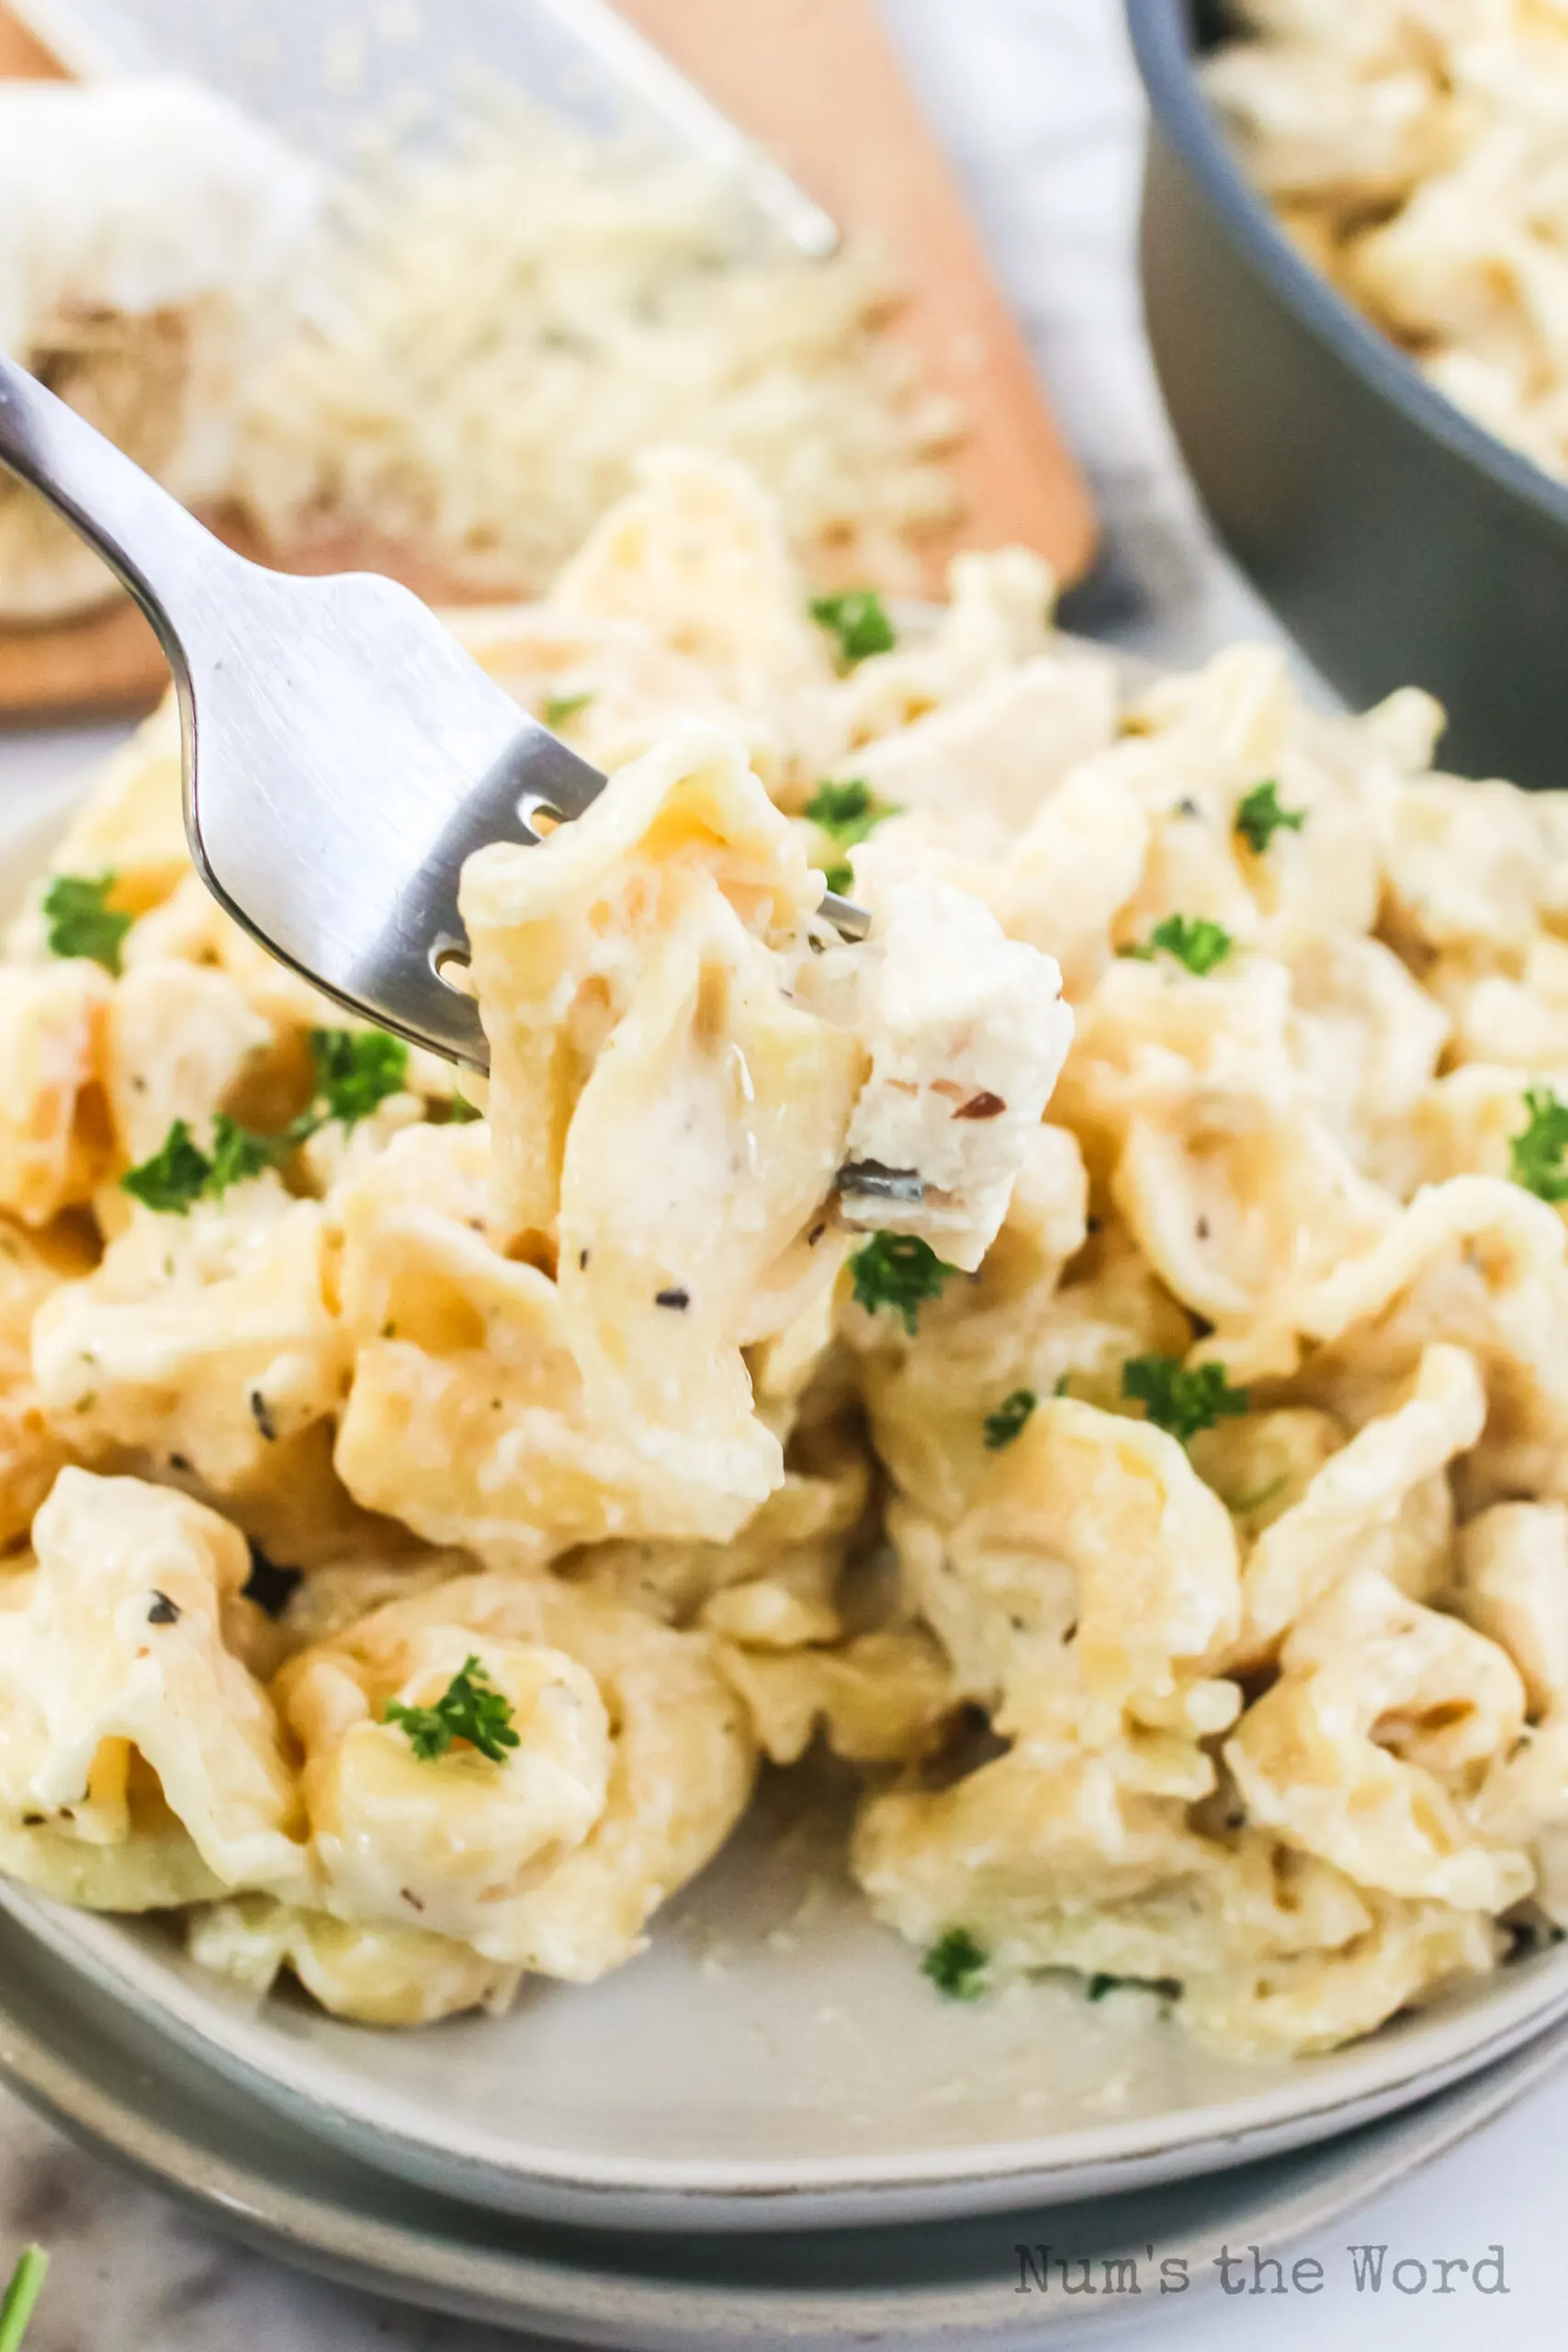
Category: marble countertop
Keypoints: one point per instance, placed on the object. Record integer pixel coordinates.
(1038, 104)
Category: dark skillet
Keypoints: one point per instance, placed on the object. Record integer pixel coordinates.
(1400, 543)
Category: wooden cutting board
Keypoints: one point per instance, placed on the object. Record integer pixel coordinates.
(817, 84)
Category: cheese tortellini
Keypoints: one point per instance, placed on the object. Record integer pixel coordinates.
(129, 1729)
(1130, 1437)
(1413, 150)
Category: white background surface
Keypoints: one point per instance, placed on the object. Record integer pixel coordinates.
(1038, 105)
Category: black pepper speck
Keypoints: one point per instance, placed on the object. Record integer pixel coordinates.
(270, 1586)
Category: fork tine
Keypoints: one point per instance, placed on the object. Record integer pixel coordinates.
(429, 1007)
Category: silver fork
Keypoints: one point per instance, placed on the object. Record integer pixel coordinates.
(342, 755)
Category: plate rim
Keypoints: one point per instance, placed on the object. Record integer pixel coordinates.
(776, 2193)
(377, 2253)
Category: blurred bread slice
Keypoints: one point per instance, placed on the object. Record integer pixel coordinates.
(149, 229)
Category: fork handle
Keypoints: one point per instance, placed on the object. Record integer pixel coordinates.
(168, 560)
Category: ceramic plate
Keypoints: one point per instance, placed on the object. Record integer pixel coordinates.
(774, 2059)
(949, 2287)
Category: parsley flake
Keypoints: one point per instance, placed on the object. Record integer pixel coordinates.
(80, 922)
(1004, 1424)
(175, 1176)
(1535, 1154)
(1182, 1399)
(179, 1172)
(1259, 817)
(857, 619)
(356, 1068)
(1193, 940)
(559, 708)
(847, 812)
(899, 1271)
(957, 1965)
(236, 1154)
(20, 2298)
(468, 1709)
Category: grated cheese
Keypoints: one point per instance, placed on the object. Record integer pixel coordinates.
(496, 334)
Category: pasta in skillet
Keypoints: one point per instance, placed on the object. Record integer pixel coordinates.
(1414, 149)
(425, 1516)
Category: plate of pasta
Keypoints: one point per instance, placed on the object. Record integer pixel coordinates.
(881, 1576)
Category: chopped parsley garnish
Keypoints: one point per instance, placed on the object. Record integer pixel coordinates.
(846, 813)
(559, 708)
(80, 922)
(236, 1154)
(957, 1965)
(1179, 1398)
(1535, 1154)
(899, 1271)
(20, 2298)
(468, 1709)
(1004, 1424)
(856, 618)
(1259, 817)
(850, 811)
(178, 1173)
(1193, 940)
(356, 1068)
